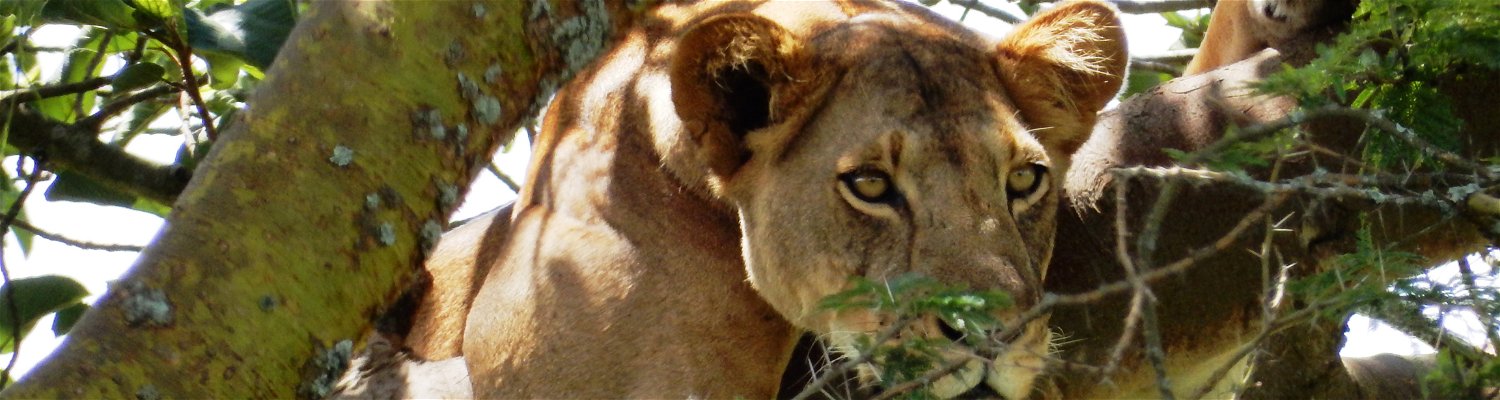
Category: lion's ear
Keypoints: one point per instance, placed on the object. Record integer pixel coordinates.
(1061, 67)
(725, 78)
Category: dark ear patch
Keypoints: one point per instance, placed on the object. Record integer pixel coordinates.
(747, 98)
(724, 80)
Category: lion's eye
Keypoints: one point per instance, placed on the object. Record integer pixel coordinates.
(869, 186)
(1024, 181)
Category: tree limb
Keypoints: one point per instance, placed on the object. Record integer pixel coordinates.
(80, 150)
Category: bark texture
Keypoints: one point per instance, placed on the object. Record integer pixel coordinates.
(309, 218)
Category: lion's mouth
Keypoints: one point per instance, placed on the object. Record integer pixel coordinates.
(1004, 370)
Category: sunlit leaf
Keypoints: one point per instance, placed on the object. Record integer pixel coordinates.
(223, 71)
(79, 66)
(165, 10)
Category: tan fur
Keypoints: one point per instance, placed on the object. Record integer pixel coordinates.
(652, 201)
(454, 271)
(1239, 28)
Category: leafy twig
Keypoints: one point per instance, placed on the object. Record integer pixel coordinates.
(10, 294)
(184, 58)
(840, 369)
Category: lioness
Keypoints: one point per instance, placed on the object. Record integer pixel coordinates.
(1239, 28)
(799, 144)
(696, 193)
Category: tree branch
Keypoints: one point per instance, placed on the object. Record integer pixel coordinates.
(42, 92)
(74, 242)
(80, 150)
(1158, 6)
(986, 9)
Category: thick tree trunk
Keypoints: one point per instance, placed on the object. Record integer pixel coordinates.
(314, 213)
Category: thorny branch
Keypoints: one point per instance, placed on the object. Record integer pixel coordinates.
(838, 370)
(1194, 257)
(1138, 298)
(1408, 318)
(927, 378)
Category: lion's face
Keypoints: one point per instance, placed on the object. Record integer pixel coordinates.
(891, 146)
(901, 173)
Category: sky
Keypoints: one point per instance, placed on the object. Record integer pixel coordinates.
(94, 269)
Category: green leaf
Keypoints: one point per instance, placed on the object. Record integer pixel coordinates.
(253, 31)
(114, 14)
(71, 186)
(165, 10)
(67, 317)
(223, 71)
(1137, 83)
(137, 76)
(77, 68)
(1176, 20)
(23, 11)
(34, 297)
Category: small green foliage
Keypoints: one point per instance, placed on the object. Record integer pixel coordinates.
(1457, 377)
(1388, 60)
(1357, 277)
(914, 296)
(1192, 28)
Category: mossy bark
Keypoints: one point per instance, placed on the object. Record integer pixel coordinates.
(311, 215)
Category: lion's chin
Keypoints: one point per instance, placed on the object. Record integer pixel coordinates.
(1014, 371)
(1009, 375)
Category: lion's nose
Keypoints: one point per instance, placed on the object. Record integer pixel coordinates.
(953, 334)
(957, 335)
